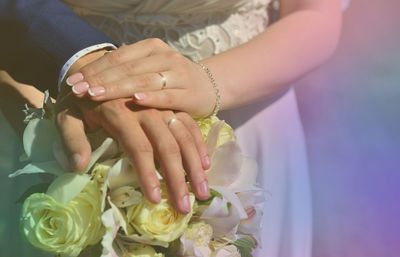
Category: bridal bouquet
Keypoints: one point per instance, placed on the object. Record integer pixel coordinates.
(102, 212)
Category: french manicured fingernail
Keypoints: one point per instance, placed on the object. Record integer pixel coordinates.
(96, 91)
(204, 190)
(80, 88)
(140, 96)
(156, 194)
(76, 159)
(74, 78)
(185, 204)
(206, 162)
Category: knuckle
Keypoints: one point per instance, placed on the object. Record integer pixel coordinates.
(153, 114)
(182, 184)
(114, 108)
(155, 42)
(193, 126)
(182, 73)
(168, 99)
(143, 147)
(95, 80)
(113, 88)
(176, 178)
(60, 118)
(146, 80)
(186, 138)
(128, 68)
(114, 58)
(147, 178)
(87, 70)
(169, 148)
(196, 176)
(174, 56)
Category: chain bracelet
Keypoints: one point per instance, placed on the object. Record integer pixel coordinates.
(214, 84)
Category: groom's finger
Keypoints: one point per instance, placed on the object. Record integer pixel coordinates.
(121, 123)
(74, 138)
(191, 158)
(168, 155)
(195, 131)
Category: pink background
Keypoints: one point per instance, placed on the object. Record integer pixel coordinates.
(351, 114)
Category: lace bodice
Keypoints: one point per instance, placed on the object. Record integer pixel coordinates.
(196, 28)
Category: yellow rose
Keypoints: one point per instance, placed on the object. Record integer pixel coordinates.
(159, 221)
(63, 229)
(143, 251)
(225, 134)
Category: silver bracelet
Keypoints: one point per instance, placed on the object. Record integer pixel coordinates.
(214, 84)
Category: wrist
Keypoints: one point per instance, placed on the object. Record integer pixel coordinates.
(86, 59)
(217, 102)
(90, 53)
(79, 64)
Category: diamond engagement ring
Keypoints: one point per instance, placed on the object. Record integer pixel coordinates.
(164, 80)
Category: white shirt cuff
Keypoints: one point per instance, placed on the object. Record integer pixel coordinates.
(77, 56)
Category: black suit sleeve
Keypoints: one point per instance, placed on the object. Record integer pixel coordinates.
(38, 36)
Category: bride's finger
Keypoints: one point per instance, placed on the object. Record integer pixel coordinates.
(172, 99)
(126, 88)
(129, 72)
(178, 100)
(185, 100)
(117, 57)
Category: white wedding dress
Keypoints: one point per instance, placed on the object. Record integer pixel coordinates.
(270, 130)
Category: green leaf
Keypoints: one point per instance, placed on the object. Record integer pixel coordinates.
(245, 245)
(172, 248)
(92, 251)
(23, 158)
(208, 201)
(245, 242)
(39, 188)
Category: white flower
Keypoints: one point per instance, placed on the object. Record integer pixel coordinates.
(196, 239)
(199, 232)
(227, 251)
(252, 201)
(229, 167)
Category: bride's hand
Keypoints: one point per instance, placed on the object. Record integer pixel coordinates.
(152, 74)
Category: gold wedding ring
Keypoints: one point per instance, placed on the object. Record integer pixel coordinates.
(164, 80)
(172, 120)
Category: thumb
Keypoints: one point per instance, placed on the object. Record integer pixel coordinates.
(73, 136)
